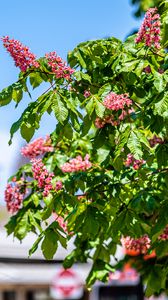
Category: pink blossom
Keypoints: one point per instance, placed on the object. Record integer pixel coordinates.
(164, 236)
(116, 102)
(155, 140)
(113, 120)
(147, 69)
(58, 185)
(131, 161)
(44, 178)
(14, 194)
(87, 93)
(149, 31)
(161, 71)
(61, 222)
(77, 164)
(100, 123)
(21, 55)
(58, 66)
(140, 245)
(37, 147)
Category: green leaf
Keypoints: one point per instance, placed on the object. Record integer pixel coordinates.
(27, 132)
(98, 272)
(67, 131)
(162, 249)
(134, 145)
(128, 66)
(80, 75)
(17, 95)
(80, 58)
(99, 108)
(143, 139)
(102, 154)
(59, 108)
(123, 140)
(22, 226)
(49, 244)
(35, 245)
(90, 106)
(10, 226)
(69, 260)
(159, 83)
(15, 127)
(86, 125)
(104, 90)
(91, 224)
(162, 155)
(35, 79)
(156, 280)
(6, 96)
(161, 107)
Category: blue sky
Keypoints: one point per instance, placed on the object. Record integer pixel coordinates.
(52, 25)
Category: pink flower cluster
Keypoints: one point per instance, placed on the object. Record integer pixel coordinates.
(21, 55)
(100, 123)
(164, 235)
(155, 140)
(58, 66)
(116, 102)
(37, 147)
(140, 245)
(87, 93)
(131, 161)
(149, 31)
(110, 119)
(14, 195)
(77, 164)
(44, 178)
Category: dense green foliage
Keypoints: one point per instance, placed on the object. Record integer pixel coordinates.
(115, 200)
(142, 6)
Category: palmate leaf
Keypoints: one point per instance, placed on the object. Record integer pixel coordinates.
(28, 121)
(134, 145)
(14, 91)
(59, 108)
(113, 201)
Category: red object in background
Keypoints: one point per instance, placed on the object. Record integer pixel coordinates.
(132, 252)
(151, 255)
(66, 285)
(136, 253)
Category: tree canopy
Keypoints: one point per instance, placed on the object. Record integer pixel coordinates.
(101, 178)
